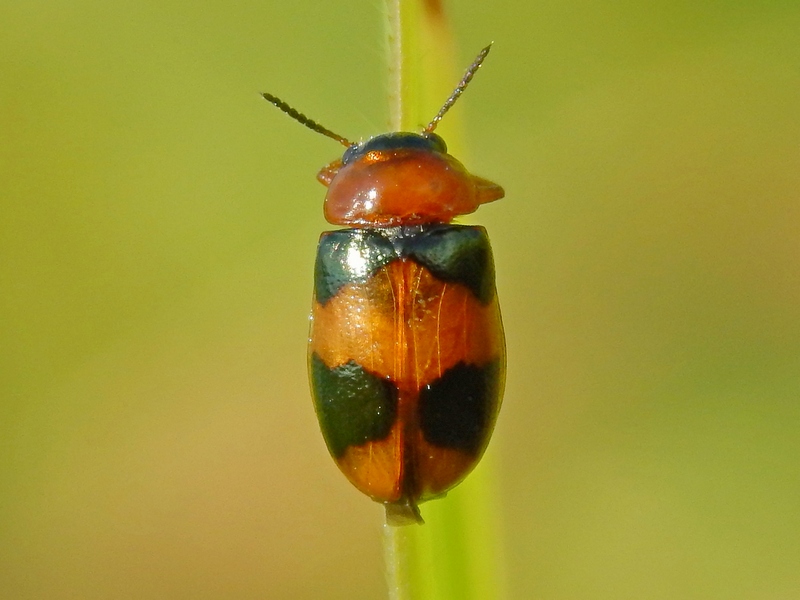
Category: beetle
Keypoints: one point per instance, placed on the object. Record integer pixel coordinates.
(406, 348)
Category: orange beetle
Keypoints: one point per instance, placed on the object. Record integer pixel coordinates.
(406, 350)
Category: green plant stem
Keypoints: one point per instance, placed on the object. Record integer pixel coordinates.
(421, 62)
(456, 554)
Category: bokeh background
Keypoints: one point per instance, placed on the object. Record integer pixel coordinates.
(158, 227)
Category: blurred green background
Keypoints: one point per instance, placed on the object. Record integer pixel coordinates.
(157, 232)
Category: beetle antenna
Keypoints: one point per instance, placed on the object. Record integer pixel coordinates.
(304, 120)
(473, 68)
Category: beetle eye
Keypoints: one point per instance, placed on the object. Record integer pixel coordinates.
(436, 141)
(348, 154)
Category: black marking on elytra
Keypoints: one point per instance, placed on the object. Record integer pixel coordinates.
(348, 256)
(452, 253)
(353, 405)
(398, 140)
(458, 254)
(458, 409)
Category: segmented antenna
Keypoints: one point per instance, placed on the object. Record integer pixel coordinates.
(473, 68)
(304, 120)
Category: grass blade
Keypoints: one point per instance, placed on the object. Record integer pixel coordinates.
(457, 553)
